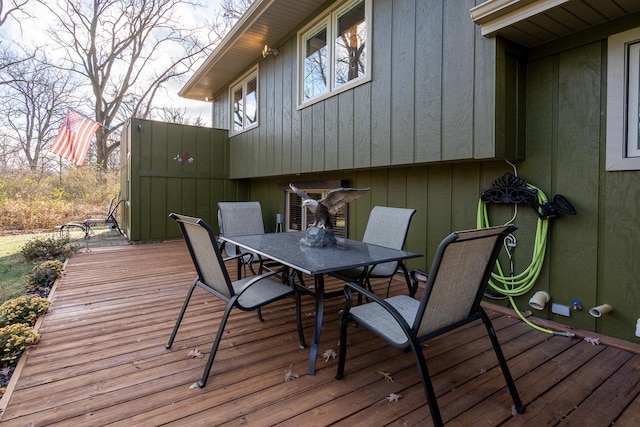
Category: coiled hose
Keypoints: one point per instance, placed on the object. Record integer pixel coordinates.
(516, 285)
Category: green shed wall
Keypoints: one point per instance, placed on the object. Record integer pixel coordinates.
(156, 184)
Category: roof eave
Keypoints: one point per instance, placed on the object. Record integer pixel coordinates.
(266, 22)
(190, 90)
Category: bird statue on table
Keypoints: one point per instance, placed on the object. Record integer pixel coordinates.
(320, 233)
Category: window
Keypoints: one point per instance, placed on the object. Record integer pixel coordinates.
(333, 52)
(633, 122)
(623, 101)
(297, 219)
(244, 103)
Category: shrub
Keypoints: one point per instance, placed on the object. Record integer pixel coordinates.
(50, 248)
(31, 200)
(24, 309)
(44, 275)
(14, 339)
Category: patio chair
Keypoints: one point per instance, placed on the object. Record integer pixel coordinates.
(242, 219)
(247, 294)
(455, 284)
(97, 218)
(386, 227)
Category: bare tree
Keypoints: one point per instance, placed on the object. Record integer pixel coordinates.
(33, 92)
(178, 116)
(230, 12)
(8, 59)
(7, 8)
(127, 49)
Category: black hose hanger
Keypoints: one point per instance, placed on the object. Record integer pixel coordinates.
(510, 189)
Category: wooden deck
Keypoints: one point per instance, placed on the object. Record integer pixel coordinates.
(102, 360)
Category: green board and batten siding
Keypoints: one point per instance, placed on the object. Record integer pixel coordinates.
(432, 138)
(421, 105)
(448, 112)
(156, 184)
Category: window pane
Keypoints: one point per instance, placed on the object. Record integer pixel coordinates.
(251, 102)
(633, 106)
(238, 110)
(350, 45)
(295, 212)
(315, 64)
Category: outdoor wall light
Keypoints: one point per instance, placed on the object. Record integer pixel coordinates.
(600, 310)
(539, 299)
(268, 52)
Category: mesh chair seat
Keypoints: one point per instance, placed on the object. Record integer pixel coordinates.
(455, 285)
(242, 219)
(249, 293)
(257, 296)
(382, 322)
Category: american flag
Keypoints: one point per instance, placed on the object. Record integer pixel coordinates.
(74, 137)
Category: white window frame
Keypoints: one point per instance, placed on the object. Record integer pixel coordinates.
(622, 101)
(329, 20)
(242, 83)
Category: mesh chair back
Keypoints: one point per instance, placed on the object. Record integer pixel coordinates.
(203, 250)
(387, 227)
(239, 219)
(457, 280)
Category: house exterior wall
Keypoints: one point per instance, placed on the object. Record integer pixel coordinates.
(593, 259)
(433, 83)
(428, 132)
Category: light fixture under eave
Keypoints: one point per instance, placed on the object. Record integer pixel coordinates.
(268, 52)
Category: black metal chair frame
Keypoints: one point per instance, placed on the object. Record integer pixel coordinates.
(97, 218)
(412, 332)
(227, 291)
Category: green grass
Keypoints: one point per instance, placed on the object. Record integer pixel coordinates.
(13, 266)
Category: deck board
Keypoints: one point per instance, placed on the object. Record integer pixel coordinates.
(102, 361)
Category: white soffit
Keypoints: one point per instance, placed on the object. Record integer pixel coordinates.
(265, 22)
(535, 22)
(494, 15)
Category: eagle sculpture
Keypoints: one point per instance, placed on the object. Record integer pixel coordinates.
(330, 204)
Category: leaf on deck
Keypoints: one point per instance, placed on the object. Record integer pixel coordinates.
(386, 376)
(329, 354)
(393, 397)
(289, 375)
(195, 353)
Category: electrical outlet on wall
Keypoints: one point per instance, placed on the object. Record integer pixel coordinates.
(562, 310)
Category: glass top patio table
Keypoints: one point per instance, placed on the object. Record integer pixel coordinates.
(287, 249)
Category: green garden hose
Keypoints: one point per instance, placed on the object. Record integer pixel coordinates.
(516, 285)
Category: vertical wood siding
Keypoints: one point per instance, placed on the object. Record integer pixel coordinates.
(433, 82)
(592, 256)
(405, 133)
(160, 185)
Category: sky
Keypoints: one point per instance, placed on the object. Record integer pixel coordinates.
(35, 33)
